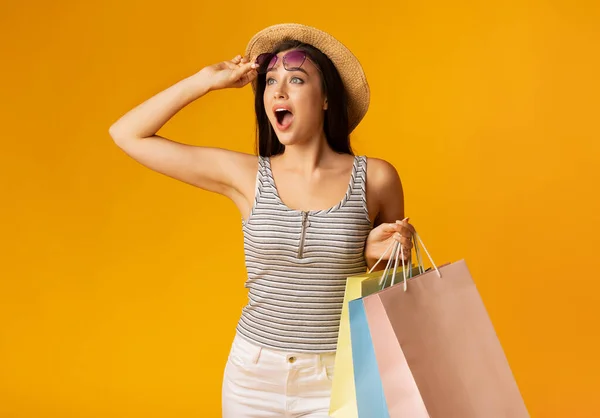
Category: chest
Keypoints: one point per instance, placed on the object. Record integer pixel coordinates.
(315, 194)
(321, 191)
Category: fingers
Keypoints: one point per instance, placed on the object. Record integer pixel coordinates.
(237, 62)
(406, 247)
(392, 227)
(405, 228)
(245, 74)
(403, 233)
(404, 223)
(402, 227)
(405, 241)
(247, 78)
(243, 70)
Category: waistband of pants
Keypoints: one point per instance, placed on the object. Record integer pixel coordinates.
(256, 353)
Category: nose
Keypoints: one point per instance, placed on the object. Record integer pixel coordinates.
(279, 93)
(280, 89)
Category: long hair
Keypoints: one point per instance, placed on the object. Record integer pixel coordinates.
(336, 116)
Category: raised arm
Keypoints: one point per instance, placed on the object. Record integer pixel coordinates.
(214, 169)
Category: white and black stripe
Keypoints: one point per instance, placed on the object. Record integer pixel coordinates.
(298, 262)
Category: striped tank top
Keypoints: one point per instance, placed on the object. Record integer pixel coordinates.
(297, 264)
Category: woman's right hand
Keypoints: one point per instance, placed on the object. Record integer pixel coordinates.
(230, 74)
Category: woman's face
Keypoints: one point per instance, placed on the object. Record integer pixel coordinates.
(295, 101)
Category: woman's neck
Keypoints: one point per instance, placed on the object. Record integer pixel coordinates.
(307, 157)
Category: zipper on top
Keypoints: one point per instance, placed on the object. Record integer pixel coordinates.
(305, 224)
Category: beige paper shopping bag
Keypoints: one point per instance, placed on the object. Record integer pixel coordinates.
(437, 351)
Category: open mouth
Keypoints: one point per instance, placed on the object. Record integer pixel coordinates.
(284, 117)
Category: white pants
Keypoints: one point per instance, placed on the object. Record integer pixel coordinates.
(260, 382)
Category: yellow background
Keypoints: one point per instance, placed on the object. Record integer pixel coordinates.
(120, 288)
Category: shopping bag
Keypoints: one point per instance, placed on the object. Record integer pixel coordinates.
(343, 392)
(436, 349)
(370, 399)
(343, 395)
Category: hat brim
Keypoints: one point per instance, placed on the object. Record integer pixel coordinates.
(351, 72)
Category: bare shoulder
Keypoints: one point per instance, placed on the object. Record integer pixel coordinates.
(382, 174)
(385, 196)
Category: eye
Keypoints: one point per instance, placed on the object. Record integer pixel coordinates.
(270, 81)
(296, 80)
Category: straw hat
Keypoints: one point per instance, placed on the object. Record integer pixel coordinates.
(347, 64)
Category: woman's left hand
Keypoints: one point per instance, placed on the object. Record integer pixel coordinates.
(381, 238)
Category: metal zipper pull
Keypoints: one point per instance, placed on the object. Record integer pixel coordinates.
(305, 224)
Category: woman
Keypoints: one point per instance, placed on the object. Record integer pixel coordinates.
(309, 218)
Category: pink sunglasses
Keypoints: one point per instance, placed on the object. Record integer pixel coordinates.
(292, 61)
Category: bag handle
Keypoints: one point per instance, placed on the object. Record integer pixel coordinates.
(392, 247)
(383, 255)
(397, 250)
(417, 237)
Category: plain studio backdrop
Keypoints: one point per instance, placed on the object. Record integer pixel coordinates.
(120, 288)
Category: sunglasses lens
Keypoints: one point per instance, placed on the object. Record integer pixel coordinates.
(265, 62)
(291, 61)
(294, 59)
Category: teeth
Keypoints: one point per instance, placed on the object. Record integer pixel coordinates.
(281, 110)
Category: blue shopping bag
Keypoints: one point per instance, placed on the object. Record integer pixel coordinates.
(370, 398)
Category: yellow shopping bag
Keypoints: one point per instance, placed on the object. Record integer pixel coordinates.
(343, 393)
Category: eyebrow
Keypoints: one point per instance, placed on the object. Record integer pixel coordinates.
(297, 69)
